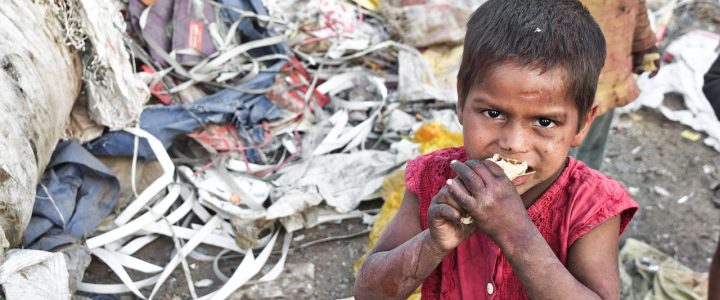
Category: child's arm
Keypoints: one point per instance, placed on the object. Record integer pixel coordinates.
(483, 190)
(714, 293)
(405, 254)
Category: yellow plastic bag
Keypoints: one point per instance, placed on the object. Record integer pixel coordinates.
(371, 5)
(435, 136)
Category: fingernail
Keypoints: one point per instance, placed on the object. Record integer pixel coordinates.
(453, 161)
(449, 182)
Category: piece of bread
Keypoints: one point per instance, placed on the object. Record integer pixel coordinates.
(512, 168)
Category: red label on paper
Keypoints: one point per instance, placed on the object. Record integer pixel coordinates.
(195, 35)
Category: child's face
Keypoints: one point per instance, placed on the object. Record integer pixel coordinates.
(522, 114)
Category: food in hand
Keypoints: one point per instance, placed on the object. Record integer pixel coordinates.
(512, 168)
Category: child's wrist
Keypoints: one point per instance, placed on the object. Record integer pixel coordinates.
(517, 237)
(434, 248)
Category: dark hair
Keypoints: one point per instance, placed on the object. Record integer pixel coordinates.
(542, 34)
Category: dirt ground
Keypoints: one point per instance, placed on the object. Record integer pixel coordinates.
(650, 153)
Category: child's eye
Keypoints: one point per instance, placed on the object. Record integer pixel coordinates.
(492, 114)
(545, 123)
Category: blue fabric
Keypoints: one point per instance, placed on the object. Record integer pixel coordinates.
(81, 192)
(168, 122)
(249, 28)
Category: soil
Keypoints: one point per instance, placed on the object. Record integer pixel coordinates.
(650, 155)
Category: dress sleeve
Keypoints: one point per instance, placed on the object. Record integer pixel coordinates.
(599, 202)
(412, 173)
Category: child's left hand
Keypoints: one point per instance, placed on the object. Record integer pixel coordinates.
(646, 61)
(483, 191)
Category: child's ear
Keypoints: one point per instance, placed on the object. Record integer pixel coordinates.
(580, 136)
(459, 104)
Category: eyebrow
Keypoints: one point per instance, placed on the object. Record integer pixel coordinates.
(480, 100)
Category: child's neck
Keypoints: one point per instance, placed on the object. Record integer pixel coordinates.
(534, 193)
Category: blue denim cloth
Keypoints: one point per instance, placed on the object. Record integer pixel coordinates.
(81, 192)
(166, 123)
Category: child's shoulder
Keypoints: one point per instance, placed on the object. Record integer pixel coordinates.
(439, 157)
(583, 179)
(593, 198)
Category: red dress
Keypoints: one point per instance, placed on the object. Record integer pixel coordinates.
(580, 199)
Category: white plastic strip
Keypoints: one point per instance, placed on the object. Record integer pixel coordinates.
(132, 262)
(157, 186)
(280, 265)
(244, 273)
(117, 288)
(116, 245)
(137, 244)
(180, 212)
(216, 265)
(201, 212)
(228, 209)
(187, 233)
(139, 223)
(191, 244)
(231, 53)
(201, 256)
(109, 259)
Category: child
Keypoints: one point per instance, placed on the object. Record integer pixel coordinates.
(629, 39)
(526, 85)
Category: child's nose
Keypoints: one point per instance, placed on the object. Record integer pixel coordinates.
(514, 140)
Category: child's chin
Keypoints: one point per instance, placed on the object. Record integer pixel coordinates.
(524, 187)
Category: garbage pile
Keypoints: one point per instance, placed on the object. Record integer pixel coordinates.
(229, 124)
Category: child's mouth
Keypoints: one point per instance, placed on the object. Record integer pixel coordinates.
(523, 178)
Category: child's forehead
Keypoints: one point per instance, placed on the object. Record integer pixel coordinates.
(512, 78)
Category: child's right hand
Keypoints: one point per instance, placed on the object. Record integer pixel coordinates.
(446, 229)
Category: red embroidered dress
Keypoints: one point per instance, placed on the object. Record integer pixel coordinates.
(580, 199)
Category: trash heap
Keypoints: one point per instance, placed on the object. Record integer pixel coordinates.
(230, 124)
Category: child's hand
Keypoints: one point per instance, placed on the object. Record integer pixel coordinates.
(446, 229)
(646, 61)
(487, 195)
